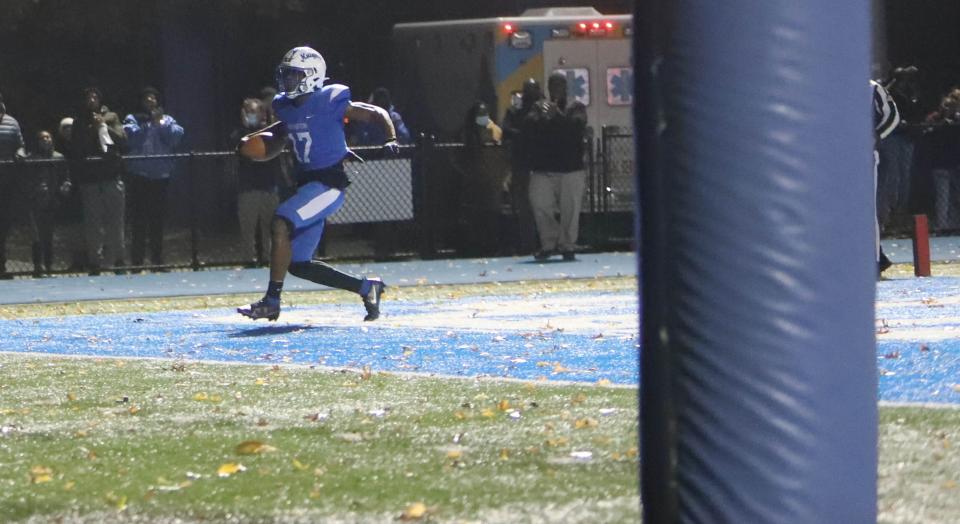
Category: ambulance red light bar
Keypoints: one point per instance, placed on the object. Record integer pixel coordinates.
(594, 28)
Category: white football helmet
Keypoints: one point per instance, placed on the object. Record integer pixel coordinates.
(301, 71)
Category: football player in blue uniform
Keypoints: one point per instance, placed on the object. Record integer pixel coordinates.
(311, 119)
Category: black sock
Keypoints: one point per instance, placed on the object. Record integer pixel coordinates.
(274, 289)
(324, 274)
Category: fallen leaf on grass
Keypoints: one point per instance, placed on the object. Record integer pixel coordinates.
(503, 405)
(557, 442)
(300, 466)
(40, 474)
(415, 511)
(586, 422)
(253, 447)
(120, 502)
(71, 396)
(230, 468)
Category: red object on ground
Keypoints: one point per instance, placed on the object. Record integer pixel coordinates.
(921, 246)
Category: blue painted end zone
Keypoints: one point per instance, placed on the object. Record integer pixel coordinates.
(918, 339)
(558, 337)
(427, 337)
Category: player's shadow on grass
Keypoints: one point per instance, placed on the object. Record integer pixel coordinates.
(270, 330)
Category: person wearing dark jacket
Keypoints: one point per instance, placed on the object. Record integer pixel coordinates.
(46, 176)
(96, 168)
(555, 130)
(525, 241)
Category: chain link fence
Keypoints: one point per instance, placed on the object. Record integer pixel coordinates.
(432, 200)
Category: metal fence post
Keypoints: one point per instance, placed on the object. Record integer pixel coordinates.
(423, 204)
(194, 227)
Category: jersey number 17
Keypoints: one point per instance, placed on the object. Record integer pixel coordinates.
(301, 146)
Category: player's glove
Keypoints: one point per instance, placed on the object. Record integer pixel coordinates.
(392, 147)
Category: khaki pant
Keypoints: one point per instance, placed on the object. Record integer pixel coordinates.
(255, 210)
(103, 221)
(552, 193)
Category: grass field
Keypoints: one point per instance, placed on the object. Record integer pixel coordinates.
(147, 439)
(128, 440)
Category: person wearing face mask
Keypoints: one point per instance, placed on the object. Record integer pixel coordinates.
(47, 174)
(257, 187)
(483, 169)
(149, 132)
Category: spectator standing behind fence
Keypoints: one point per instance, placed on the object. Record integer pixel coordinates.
(555, 130)
(257, 185)
(96, 168)
(525, 241)
(483, 170)
(45, 179)
(941, 156)
(11, 148)
(149, 132)
(70, 207)
(885, 119)
(370, 134)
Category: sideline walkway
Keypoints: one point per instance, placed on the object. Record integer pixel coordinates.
(230, 281)
(942, 249)
(406, 273)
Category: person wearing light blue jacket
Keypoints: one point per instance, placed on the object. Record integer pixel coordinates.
(150, 132)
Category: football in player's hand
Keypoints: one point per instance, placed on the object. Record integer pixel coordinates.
(253, 147)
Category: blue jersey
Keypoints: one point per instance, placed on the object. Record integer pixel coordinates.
(316, 127)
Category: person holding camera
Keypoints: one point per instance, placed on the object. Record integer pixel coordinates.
(149, 132)
(555, 130)
(96, 167)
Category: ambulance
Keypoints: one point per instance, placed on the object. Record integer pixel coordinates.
(445, 67)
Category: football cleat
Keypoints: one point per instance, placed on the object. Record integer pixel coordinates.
(371, 300)
(266, 307)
